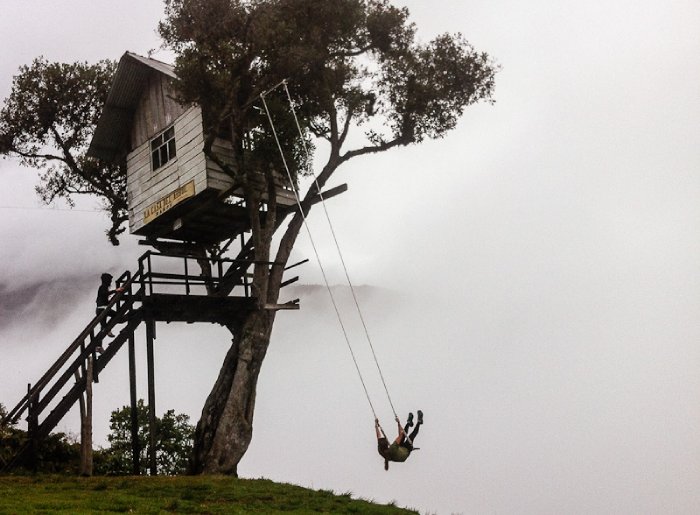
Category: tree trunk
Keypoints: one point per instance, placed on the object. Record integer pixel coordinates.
(226, 427)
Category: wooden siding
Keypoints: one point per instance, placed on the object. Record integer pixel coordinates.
(156, 110)
(145, 186)
(216, 178)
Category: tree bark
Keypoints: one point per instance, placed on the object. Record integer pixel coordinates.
(225, 429)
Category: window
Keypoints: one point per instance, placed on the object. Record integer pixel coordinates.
(163, 148)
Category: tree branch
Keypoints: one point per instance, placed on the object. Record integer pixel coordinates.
(351, 53)
(346, 128)
(386, 145)
(48, 157)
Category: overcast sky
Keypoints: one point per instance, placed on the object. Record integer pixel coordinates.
(531, 280)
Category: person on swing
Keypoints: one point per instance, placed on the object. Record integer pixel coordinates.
(401, 448)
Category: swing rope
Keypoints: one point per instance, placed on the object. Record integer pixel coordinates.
(337, 246)
(318, 258)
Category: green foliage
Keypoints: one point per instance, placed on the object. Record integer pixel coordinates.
(346, 61)
(185, 494)
(173, 443)
(5, 424)
(48, 120)
(57, 454)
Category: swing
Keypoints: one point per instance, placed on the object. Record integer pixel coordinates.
(340, 254)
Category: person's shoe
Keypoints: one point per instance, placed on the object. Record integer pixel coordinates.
(420, 417)
(99, 350)
(110, 334)
(409, 422)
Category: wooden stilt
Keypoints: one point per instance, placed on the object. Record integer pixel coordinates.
(85, 403)
(150, 330)
(86, 426)
(135, 442)
(32, 426)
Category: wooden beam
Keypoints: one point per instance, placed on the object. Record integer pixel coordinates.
(296, 264)
(151, 398)
(329, 194)
(289, 281)
(177, 248)
(293, 304)
(135, 444)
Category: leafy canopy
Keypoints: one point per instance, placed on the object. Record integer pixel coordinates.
(48, 121)
(173, 442)
(346, 61)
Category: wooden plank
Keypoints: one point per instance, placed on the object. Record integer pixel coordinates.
(294, 304)
(190, 120)
(173, 107)
(296, 264)
(153, 108)
(289, 281)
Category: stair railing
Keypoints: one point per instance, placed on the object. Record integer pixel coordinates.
(33, 399)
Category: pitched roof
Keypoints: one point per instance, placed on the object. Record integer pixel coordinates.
(112, 132)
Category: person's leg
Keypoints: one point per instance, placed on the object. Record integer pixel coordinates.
(110, 314)
(103, 322)
(409, 423)
(418, 424)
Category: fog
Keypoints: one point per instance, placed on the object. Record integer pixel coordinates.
(530, 281)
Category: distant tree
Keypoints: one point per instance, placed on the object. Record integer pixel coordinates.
(173, 443)
(353, 66)
(47, 122)
(58, 453)
(6, 430)
(5, 423)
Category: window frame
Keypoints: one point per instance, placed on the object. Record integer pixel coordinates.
(163, 149)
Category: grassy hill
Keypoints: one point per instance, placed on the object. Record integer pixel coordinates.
(183, 494)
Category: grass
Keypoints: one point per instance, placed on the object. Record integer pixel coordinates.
(182, 494)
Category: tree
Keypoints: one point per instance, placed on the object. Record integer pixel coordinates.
(47, 122)
(6, 432)
(349, 64)
(57, 453)
(173, 442)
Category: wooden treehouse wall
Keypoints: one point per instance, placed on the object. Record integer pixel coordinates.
(156, 110)
(145, 186)
(187, 175)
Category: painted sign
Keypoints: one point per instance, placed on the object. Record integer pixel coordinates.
(168, 202)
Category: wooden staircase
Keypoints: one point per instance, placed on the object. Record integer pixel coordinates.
(147, 296)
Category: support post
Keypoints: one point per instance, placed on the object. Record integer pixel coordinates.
(85, 403)
(86, 424)
(151, 398)
(135, 442)
(32, 427)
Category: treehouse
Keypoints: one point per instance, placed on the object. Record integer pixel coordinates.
(179, 200)
(174, 190)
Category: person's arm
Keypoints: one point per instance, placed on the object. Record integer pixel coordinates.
(377, 429)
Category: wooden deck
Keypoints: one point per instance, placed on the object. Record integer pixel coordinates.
(163, 307)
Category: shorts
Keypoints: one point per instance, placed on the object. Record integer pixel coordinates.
(382, 445)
